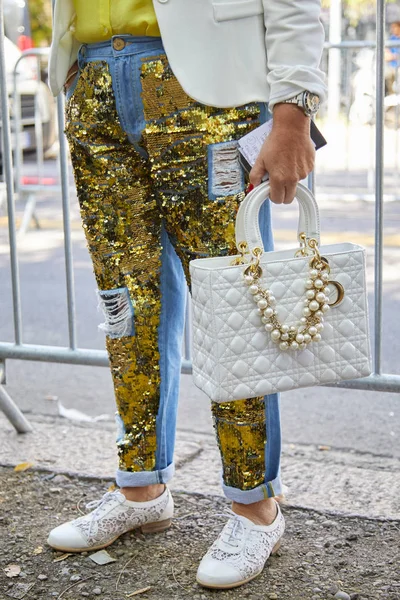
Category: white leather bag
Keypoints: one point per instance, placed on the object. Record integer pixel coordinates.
(267, 322)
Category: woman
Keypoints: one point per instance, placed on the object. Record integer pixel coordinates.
(157, 97)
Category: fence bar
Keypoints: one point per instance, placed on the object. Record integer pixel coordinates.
(360, 44)
(311, 182)
(186, 367)
(374, 383)
(99, 358)
(29, 214)
(55, 354)
(379, 140)
(10, 410)
(66, 225)
(18, 154)
(39, 125)
(7, 161)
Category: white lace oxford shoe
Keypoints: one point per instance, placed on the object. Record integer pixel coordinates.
(112, 516)
(240, 552)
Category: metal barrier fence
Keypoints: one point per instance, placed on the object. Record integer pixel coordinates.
(348, 120)
(78, 356)
(29, 189)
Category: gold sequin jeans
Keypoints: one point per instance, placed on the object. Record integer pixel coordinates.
(159, 184)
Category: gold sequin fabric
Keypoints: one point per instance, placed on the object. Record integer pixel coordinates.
(177, 134)
(122, 224)
(124, 200)
(240, 427)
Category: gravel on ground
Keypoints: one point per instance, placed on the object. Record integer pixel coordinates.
(323, 556)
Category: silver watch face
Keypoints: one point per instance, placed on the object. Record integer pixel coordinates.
(311, 103)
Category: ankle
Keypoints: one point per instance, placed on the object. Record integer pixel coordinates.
(143, 494)
(260, 513)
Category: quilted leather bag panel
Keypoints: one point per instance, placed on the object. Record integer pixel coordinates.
(234, 357)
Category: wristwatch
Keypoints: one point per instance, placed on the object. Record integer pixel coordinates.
(307, 101)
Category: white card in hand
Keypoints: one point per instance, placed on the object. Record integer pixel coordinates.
(250, 144)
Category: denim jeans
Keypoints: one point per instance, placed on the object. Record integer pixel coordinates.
(159, 183)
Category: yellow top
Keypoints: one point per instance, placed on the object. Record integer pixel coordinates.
(98, 20)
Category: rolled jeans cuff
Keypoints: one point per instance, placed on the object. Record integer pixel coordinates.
(143, 478)
(266, 490)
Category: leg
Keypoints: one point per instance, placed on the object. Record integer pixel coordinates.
(141, 285)
(134, 265)
(199, 186)
(248, 433)
(251, 474)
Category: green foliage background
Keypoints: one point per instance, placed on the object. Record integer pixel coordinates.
(40, 11)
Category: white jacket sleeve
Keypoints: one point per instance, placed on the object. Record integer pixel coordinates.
(294, 41)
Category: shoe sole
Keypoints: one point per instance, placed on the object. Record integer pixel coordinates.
(229, 586)
(156, 527)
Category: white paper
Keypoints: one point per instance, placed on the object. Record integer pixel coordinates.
(250, 144)
(72, 414)
(102, 558)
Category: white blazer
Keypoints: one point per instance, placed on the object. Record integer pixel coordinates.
(224, 52)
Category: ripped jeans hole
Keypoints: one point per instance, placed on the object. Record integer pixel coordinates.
(225, 173)
(118, 313)
(120, 428)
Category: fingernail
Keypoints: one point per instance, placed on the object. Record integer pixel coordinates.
(250, 187)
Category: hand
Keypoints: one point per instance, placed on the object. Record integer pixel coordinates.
(287, 155)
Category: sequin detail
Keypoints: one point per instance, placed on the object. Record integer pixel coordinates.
(125, 199)
(177, 134)
(241, 433)
(123, 227)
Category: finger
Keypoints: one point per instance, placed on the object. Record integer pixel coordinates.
(290, 192)
(257, 173)
(277, 191)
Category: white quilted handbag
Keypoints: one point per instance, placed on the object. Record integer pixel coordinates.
(267, 322)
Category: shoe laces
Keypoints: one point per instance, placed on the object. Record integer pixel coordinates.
(98, 505)
(234, 530)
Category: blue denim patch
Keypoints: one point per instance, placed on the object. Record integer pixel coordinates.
(125, 68)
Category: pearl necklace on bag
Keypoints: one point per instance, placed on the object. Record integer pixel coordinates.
(308, 329)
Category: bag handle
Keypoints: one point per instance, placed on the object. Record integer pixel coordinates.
(247, 226)
(295, 336)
